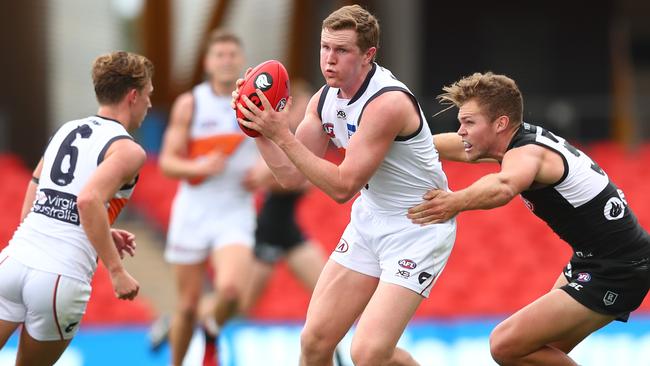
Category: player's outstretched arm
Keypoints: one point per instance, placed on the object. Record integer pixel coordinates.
(450, 146)
(121, 164)
(30, 194)
(519, 169)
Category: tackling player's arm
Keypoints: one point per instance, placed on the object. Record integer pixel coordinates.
(383, 119)
(174, 157)
(121, 164)
(520, 167)
(30, 194)
(450, 146)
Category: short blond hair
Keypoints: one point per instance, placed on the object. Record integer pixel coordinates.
(358, 19)
(115, 73)
(498, 95)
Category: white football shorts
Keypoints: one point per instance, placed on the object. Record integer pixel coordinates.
(196, 229)
(395, 250)
(50, 305)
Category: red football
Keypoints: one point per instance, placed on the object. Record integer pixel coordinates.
(272, 79)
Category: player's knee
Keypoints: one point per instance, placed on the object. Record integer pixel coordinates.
(228, 292)
(503, 347)
(187, 308)
(316, 345)
(368, 353)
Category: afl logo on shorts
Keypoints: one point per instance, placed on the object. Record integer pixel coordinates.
(407, 263)
(583, 277)
(264, 81)
(614, 209)
(342, 247)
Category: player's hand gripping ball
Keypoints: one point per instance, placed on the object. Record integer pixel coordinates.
(272, 79)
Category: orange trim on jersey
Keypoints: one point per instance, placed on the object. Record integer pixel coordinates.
(226, 143)
(115, 206)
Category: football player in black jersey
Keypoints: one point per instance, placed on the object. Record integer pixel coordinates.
(609, 273)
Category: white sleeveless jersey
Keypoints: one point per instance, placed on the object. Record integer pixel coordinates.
(214, 126)
(411, 166)
(51, 238)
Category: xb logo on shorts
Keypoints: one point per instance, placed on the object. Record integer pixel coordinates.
(264, 81)
(610, 298)
(402, 273)
(407, 263)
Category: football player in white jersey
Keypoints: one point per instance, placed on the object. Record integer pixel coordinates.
(608, 275)
(213, 215)
(85, 177)
(384, 265)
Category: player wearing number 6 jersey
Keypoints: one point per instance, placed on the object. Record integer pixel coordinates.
(83, 180)
(609, 273)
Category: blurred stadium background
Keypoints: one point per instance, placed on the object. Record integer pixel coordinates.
(584, 69)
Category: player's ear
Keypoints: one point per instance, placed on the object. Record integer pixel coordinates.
(132, 95)
(503, 122)
(370, 54)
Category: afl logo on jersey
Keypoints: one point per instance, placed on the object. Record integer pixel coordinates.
(614, 209)
(329, 129)
(263, 81)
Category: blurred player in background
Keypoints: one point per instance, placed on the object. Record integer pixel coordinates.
(384, 265)
(277, 234)
(213, 216)
(609, 273)
(85, 177)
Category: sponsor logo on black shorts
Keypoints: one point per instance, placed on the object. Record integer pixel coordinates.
(610, 298)
(583, 277)
(576, 286)
(57, 205)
